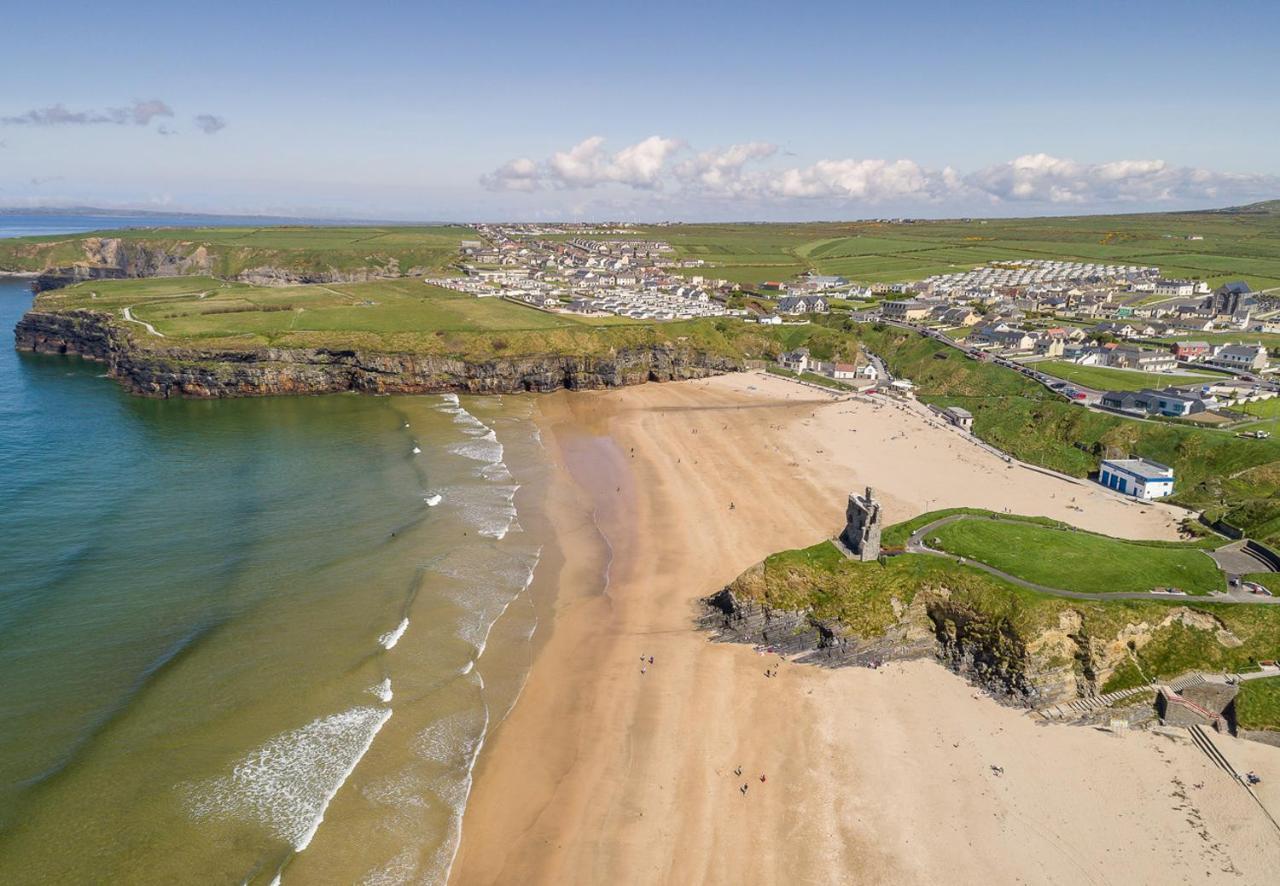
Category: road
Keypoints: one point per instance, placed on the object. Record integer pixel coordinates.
(916, 545)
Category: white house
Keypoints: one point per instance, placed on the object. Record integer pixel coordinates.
(1139, 477)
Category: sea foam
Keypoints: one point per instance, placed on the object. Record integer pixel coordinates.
(392, 637)
(287, 783)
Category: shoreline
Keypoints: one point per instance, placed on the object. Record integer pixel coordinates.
(606, 773)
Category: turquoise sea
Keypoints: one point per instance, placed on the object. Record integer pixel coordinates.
(243, 640)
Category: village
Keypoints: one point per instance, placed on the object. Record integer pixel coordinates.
(1069, 325)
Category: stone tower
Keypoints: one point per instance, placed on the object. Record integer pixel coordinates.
(862, 528)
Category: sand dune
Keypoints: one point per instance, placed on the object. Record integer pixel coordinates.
(612, 770)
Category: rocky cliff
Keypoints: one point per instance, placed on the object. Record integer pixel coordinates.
(1049, 665)
(193, 372)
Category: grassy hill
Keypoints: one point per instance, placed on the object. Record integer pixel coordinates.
(1227, 476)
(233, 251)
(403, 315)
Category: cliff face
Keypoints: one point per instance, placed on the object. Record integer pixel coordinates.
(191, 372)
(113, 258)
(1059, 663)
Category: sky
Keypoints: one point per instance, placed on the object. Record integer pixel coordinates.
(663, 110)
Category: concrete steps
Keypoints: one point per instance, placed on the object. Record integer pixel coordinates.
(1079, 707)
(1201, 739)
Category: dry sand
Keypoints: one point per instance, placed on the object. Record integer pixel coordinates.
(609, 772)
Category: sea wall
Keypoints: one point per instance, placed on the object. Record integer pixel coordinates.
(213, 373)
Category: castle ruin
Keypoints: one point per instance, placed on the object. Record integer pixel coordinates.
(862, 526)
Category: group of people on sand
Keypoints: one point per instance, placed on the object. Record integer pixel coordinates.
(645, 662)
(745, 785)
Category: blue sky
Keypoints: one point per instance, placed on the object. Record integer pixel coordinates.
(656, 110)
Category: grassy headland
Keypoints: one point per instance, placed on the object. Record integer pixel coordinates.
(1229, 477)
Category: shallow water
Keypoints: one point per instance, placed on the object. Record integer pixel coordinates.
(240, 639)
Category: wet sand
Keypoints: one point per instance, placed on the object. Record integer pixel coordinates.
(612, 770)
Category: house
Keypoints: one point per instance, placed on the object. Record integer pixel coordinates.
(802, 304)
(796, 361)
(1146, 359)
(961, 418)
(1191, 350)
(1240, 358)
(844, 371)
(769, 320)
(905, 311)
(1050, 345)
(1172, 403)
(1001, 336)
(1179, 288)
(1139, 477)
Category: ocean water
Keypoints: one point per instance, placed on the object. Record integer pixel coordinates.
(20, 224)
(251, 639)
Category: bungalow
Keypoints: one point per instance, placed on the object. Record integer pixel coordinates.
(1139, 477)
(1172, 403)
(961, 418)
(769, 320)
(844, 371)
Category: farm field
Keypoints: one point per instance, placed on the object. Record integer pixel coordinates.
(1242, 244)
(1076, 560)
(1104, 378)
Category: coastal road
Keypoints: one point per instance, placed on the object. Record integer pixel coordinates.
(916, 545)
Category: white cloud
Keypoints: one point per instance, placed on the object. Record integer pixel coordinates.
(721, 171)
(1042, 178)
(749, 173)
(587, 164)
(520, 174)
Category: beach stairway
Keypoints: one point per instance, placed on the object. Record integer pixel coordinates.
(1201, 739)
(1080, 707)
(1192, 678)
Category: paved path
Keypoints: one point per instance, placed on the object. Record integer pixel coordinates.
(128, 315)
(916, 545)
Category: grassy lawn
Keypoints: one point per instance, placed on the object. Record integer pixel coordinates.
(1258, 704)
(1078, 561)
(1107, 379)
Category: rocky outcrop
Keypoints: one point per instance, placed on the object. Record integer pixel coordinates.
(733, 619)
(212, 373)
(1048, 666)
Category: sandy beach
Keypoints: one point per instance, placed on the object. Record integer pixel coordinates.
(613, 770)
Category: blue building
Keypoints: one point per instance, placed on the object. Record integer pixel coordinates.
(1138, 477)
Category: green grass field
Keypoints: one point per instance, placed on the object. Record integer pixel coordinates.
(1078, 561)
(1235, 245)
(1105, 378)
(1258, 704)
